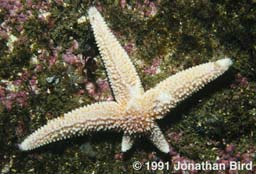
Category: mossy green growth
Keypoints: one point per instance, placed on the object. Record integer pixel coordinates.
(181, 34)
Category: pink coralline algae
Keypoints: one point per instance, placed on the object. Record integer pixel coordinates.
(33, 84)
(3, 34)
(90, 88)
(59, 2)
(52, 60)
(74, 46)
(70, 57)
(54, 57)
(230, 154)
(129, 47)
(99, 91)
(11, 98)
(122, 3)
(16, 93)
(175, 136)
(154, 68)
(12, 6)
(240, 81)
(47, 58)
(15, 14)
(146, 8)
(2, 91)
(44, 17)
(152, 9)
(119, 156)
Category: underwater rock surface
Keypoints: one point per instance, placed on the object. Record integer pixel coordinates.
(49, 65)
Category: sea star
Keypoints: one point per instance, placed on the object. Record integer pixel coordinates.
(134, 112)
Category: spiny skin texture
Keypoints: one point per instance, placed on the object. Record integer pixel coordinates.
(134, 111)
(125, 81)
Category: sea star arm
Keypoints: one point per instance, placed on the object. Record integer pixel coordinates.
(95, 117)
(181, 85)
(158, 139)
(155, 135)
(127, 142)
(124, 80)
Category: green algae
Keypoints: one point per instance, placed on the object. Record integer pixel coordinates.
(183, 34)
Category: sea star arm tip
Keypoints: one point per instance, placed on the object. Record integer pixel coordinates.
(178, 87)
(158, 139)
(225, 63)
(120, 70)
(95, 117)
(127, 142)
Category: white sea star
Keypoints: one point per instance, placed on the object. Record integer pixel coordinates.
(134, 112)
